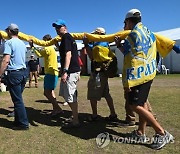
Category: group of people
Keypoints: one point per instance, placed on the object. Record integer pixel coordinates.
(139, 70)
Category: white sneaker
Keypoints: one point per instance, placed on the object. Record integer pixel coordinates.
(65, 103)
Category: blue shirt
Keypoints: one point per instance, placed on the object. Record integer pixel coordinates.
(17, 50)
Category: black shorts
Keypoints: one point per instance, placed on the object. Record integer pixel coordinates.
(138, 94)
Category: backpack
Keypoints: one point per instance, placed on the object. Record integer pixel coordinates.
(105, 60)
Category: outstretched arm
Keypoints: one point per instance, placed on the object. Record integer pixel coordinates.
(176, 49)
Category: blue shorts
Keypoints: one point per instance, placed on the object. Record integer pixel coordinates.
(50, 81)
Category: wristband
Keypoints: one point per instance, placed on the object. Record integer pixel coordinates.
(65, 70)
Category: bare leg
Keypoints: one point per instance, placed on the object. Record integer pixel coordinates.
(30, 79)
(130, 114)
(111, 105)
(51, 97)
(147, 116)
(142, 122)
(74, 108)
(94, 107)
(36, 79)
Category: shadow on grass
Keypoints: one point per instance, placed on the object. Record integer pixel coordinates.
(47, 101)
(87, 130)
(124, 138)
(4, 122)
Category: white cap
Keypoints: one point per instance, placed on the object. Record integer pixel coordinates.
(32, 55)
(132, 13)
(99, 30)
(13, 26)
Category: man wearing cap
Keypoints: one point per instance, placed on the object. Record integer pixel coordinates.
(14, 62)
(33, 68)
(70, 70)
(95, 93)
(139, 70)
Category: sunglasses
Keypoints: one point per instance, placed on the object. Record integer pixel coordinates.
(59, 26)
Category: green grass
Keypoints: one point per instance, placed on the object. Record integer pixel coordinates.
(46, 136)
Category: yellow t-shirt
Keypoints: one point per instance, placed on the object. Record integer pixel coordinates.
(50, 59)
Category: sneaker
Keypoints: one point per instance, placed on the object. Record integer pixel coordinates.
(93, 118)
(126, 123)
(17, 127)
(11, 114)
(135, 138)
(65, 103)
(160, 141)
(112, 118)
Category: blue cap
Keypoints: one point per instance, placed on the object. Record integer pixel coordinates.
(59, 22)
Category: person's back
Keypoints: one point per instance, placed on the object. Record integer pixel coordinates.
(139, 70)
(140, 57)
(50, 61)
(51, 73)
(98, 85)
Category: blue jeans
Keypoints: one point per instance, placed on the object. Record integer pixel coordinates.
(16, 81)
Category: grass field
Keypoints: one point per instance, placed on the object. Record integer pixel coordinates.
(46, 136)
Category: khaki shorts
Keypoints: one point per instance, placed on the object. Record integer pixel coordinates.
(95, 93)
(68, 89)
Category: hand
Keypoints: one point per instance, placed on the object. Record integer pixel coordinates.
(85, 40)
(57, 45)
(118, 40)
(127, 89)
(64, 77)
(31, 44)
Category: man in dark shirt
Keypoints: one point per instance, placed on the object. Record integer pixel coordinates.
(33, 68)
(70, 70)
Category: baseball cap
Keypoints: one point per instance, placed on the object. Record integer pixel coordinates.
(99, 30)
(12, 27)
(59, 22)
(133, 13)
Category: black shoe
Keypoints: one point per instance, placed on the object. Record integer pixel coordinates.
(93, 118)
(56, 114)
(20, 128)
(127, 123)
(112, 118)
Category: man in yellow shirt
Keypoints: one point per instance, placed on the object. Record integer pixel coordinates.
(139, 69)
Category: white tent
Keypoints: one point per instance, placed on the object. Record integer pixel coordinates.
(172, 60)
